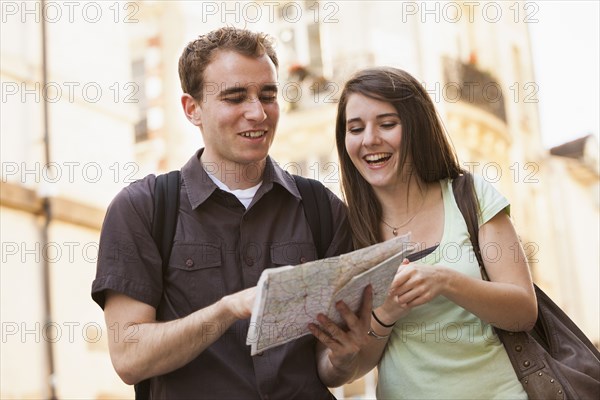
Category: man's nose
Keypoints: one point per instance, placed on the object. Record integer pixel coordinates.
(255, 110)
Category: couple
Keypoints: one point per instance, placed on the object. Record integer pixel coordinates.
(429, 338)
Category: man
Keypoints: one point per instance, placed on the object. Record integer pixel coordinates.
(239, 213)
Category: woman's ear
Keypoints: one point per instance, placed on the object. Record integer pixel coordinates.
(191, 109)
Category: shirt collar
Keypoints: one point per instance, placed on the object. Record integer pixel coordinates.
(199, 186)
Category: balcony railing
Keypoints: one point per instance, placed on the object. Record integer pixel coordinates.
(474, 86)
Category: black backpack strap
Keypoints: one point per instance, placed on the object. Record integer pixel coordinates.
(317, 210)
(142, 390)
(166, 205)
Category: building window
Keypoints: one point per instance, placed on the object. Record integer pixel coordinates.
(475, 86)
(138, 68)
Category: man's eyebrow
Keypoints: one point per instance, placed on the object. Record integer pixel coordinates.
(241, 89)
(269, 88)
(232, 90)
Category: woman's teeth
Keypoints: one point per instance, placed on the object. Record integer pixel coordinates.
(378, 158)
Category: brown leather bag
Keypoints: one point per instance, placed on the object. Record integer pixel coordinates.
(554, 360)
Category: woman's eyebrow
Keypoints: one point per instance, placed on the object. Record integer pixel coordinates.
(380, 116)
(388, 115)
(357, 119)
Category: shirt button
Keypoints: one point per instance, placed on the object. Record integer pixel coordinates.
(302, 260)
(189, 263)
(250, 261)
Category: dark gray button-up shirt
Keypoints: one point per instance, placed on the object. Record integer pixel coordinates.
(219, 248)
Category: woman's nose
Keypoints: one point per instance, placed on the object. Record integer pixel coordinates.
(370, 136)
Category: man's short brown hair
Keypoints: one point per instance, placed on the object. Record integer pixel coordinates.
(200, 52)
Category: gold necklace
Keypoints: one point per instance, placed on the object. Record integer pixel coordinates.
(395, 228)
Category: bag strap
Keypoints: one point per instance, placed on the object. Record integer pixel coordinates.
(317, 211)
(166, 204)
(166, 207)
(468, 205)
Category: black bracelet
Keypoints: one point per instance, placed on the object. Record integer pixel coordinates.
(379, 321)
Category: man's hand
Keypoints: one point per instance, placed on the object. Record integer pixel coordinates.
(343, 344)
(157, 348)
(240, 303)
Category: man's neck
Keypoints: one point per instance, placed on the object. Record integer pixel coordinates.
(235, 175)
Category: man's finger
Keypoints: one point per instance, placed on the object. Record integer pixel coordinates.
(367, 303)
(332, 328)
(346, 313)
(323, 336)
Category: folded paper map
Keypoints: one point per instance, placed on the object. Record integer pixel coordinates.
(289, 298)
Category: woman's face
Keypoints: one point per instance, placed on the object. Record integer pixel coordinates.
(373, 137)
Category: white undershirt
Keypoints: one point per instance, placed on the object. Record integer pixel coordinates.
(245, 196)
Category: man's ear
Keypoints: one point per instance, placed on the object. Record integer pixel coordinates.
(191, 109)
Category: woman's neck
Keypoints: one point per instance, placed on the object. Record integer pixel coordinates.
(403, 201)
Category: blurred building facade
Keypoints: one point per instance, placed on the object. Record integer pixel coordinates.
(103, 110)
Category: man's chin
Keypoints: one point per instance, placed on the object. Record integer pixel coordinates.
(255, 155)
(254, 160)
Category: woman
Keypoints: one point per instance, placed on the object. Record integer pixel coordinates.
(433, 336)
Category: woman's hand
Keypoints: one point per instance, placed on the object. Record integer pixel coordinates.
(417, 284)
(392, 309)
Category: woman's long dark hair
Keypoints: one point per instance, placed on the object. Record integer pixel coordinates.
(424, 142)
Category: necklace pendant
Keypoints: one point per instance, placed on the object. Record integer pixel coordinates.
(395, 231)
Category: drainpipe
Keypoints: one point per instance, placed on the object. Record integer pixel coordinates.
(47, 214)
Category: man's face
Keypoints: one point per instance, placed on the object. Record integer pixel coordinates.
(239, 110)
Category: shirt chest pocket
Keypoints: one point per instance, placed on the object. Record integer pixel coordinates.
(292, 253)
(195, 274)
